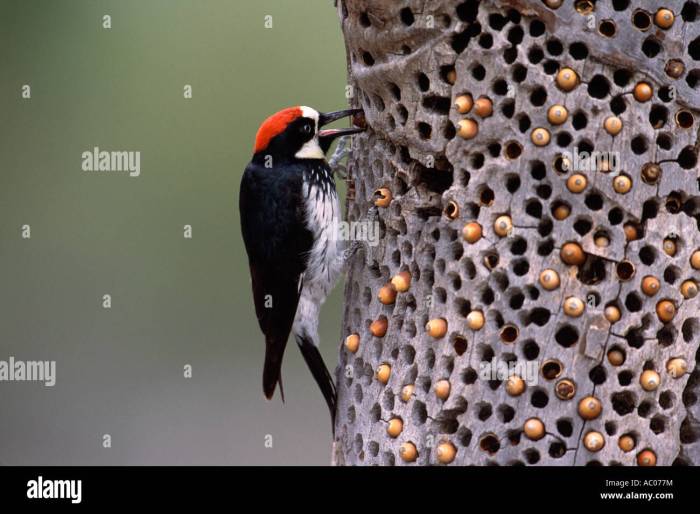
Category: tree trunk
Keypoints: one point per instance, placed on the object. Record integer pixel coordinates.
(410, 61)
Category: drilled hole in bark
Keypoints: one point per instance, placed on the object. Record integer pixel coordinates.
(539, 398)
(623, 402)
(531, 350)
(566, 336)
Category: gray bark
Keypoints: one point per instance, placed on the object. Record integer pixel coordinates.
(399, 55)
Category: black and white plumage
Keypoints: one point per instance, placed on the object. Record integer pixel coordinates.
(289, 213)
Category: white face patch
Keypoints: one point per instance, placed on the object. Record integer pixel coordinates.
(311, 149)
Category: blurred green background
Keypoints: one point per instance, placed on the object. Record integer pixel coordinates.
(174, 301)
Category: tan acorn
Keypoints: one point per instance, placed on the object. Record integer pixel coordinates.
(472, 232)
(612, 313)
(649, 380)
(665, 310)
(626, 443)
(408, 452)
(475, 320)
(452, 210)
(631, 232)
(352, 343)
(383, 373)
(382, 197)
(574, 306)
(549, 279)
(622, 184)
(643, 92)
(593, 441)
(651, 172)
(612, 125)
(572, 254)
(664, 18)
(402, 281)
(436, 328)
(407, 392)
(387, 294)
(379, 327)
(689, 289)
(669, 246)
(394, 427)
(515, 386)
(695, 259)
(483, 107)
(464, 103)
(446, 452)
(561, 212)
(650, 285)
(616, 357)
(576, 183)
(467, 129)
(451, 76)
(442, 389)
(677, 367)
(589, 408)
(534, 429)
(557, 114)
(567, 79)
(503, 226)
(540, 137)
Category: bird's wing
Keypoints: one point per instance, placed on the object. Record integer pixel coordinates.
(277, 241)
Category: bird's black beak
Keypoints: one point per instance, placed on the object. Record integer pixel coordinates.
(326, 137)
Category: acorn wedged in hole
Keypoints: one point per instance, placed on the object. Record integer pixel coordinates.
(626, 443)
(549, 279)
(574, 306)
(382, 197)
(383, 373)
(557, 114)
(695, 259)
(503, 226)
(651, 172)
(664, 18)
(612, 125)
(472, 232)
(642, 92)
(442, 389)
(650, 380)
(387, 294)
(646, 458)
(483, 107)
(408, 452)
(677, 367)
(689, 289)
(589, 408)
(407, 392)
(622, 184)
(616, 357)
(669, 246)
(674, 68)
(572, 254)
(436, 328)
(665, 310)
(593, 441)
(612, 313)
(394, 427)
(650, 285)
(533, 428)
(352, 343)
(540, 136)
(475, 320)
(452, 210)
(577, 183)
(567, 79)
(565, 389)
(379, 327)
(515, 386)
(464, 103)
(402, 281)
(561, 212)
(446, 452)
(467, 129)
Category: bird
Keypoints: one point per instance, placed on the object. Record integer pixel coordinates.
(289, 214)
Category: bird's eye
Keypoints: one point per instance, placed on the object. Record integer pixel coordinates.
(306, 128)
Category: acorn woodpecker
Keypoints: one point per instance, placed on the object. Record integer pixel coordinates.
(289, 213)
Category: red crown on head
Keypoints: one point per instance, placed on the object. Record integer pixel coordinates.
(274, 125)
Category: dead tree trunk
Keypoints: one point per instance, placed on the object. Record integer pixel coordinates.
(499, 215)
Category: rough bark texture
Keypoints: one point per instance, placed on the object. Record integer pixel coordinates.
(401, 53)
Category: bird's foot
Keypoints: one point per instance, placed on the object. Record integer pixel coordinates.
(336, 161)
